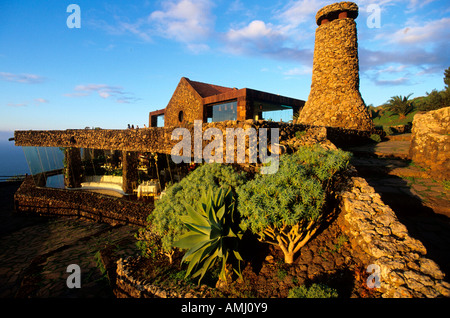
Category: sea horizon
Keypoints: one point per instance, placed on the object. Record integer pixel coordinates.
(12, 158)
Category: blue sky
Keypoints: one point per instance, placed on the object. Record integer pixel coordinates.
(128, 56)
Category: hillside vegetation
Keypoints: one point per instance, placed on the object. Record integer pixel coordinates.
(400, 110)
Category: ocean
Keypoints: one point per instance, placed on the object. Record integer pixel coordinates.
(12, 158)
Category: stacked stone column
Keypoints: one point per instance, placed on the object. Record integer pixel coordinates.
(72, 168)
(129, 171)
(335, 100)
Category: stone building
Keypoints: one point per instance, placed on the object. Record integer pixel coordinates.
(334, 99)
(212, 103)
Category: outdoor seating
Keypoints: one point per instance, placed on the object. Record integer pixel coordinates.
(148, 188)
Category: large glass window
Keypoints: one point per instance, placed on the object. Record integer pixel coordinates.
(160, 121)
(224, 111)
(273, 112)
(46, 165)
(283, 115)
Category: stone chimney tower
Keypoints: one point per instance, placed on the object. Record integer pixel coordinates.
(335, 99)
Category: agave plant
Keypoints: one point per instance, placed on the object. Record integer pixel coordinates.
(213, 234)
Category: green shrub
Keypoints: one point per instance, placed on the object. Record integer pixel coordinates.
(446, 184)
(314, 291)
(375, 137)
(165, 220)
(286, 208)
(388, 130)
(214, 234)
(300, 134)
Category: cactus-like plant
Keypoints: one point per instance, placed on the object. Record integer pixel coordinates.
(213, 234)
(165, 220)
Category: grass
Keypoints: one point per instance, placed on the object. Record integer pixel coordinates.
(388, 119)
(412, 164)
(341, 240)
(446, 184)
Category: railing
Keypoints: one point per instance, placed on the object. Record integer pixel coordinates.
(19, 177)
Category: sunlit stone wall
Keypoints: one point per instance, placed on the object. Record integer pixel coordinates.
(334, 99)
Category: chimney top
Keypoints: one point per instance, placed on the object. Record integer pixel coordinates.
(338, 10)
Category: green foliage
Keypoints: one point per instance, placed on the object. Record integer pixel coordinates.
(375, 137)
(285, 208)
(388, 130)
(446, 184)
(434, 100)
(342, 239)
(447, 77)
(213, 234)
(314, 291)
(165, 220)
(387, 118)
(299, 134)
(400, 105)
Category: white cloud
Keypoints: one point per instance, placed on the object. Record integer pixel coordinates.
(185, 21)
(264, 39)
(392, 82)
(430, 32)
(40, 100)
(298, 12)
(255, 31)
(417, 48)
(21, 78)
(256, 37)
(104, 91)
(17, 105)
(298, 71)
(189, 22)
(413, 5)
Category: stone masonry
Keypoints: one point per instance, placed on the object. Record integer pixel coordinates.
(430, 142)
(405, 271)
(334, 99)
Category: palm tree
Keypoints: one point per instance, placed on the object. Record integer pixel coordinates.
(400, 105)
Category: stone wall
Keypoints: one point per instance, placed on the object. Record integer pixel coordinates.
(186, 100)
(84, 204)
(334, 99)
(430, 142)
(148, 139)
(158, 139)
(405, 270)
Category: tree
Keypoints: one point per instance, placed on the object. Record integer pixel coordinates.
(434, 100)
(285, 209)
(400, 105)
(447, 77)
(446, 91)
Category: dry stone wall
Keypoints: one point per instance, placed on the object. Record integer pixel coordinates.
(334, 99)
(83, 204)
(405, 271)
(158, 139)
(430, 142)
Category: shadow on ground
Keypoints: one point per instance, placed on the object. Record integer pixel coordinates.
(429, 225)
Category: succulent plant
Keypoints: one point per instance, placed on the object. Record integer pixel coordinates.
(213, 234)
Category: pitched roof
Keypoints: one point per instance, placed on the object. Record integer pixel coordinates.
(206, 90)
